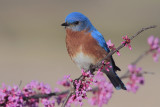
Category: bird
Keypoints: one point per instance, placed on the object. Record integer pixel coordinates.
(86, 46)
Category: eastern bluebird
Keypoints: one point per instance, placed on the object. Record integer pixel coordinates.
(86, 46)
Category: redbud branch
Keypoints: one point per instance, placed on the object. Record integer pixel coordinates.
(20, 83)
(140, 57)
(37, 96)
(68, 96)
(121, 46)
(127, 74)
(136, 61)
(94, 67)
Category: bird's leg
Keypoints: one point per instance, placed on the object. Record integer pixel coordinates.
(92, 69)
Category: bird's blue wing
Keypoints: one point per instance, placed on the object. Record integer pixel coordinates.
(99, 38)
(115, 80)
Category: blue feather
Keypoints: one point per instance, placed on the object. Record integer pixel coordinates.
(99, 38)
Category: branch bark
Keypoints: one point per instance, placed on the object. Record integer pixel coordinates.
(112, 52)
(68, 96)
(70, 92)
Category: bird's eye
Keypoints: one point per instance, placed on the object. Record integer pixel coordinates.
(76, 23)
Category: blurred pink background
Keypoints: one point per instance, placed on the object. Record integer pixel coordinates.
(32, 42)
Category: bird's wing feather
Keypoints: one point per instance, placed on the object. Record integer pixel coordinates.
(99, 38)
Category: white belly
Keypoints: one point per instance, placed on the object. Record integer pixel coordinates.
(83, 61)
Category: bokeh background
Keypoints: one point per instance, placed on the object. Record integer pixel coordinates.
(32, 42)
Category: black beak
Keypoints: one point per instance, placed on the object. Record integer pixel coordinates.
(65, 24)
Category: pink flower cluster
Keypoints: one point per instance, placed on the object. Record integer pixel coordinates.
(135, 78)
(14, 97)
(81, 88)
(66, 81)
(11, 96)
(101, 89)
(60, 98)
(101, 94)
(35, 87)
(105, 65)
(112, 46)
(127, 42)
(104, 91)
(154, 43)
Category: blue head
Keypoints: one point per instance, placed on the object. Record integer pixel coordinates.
(77, 22)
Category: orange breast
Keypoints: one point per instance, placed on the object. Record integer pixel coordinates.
(83, 42)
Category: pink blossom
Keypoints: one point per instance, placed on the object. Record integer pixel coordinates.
(48, 103)
(127, 42)
(81, 88)
(135, 78)
(11, 96)
(104, 92)
(14, 97)
(132, 87)
(133, 69)
(65, 81)
(106, 65)
(111, 46)
(154, 43)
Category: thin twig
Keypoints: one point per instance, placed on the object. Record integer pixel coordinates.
(140, 57)
(140, 74)
(37, 96)
(20, 83)
(66, 100)
(126, 74)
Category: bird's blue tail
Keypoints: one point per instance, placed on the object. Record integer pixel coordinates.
(116, 81)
